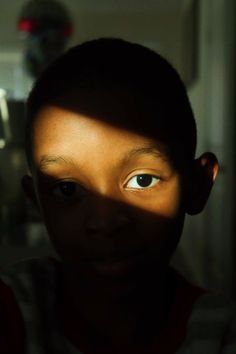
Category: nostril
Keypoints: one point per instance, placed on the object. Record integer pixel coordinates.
(107, 224)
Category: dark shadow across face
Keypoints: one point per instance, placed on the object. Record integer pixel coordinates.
(104, 237)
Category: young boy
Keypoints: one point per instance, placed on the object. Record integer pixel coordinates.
(110, 142)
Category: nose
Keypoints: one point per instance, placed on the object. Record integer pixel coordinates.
(106, 217)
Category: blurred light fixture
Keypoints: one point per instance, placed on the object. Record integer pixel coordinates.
(4, 116)
(2, 143)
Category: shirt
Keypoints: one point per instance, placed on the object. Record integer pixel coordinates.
(200, 323)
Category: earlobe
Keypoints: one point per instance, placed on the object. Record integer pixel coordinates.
(203, 175)
(28, 188)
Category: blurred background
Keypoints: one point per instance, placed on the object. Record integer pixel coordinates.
(198, 38)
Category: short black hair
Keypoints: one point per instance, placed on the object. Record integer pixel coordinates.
(112, 62)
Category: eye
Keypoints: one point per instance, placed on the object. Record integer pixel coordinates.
(142, 181)
(67, 190)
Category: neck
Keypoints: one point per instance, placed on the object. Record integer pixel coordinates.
(118, 308)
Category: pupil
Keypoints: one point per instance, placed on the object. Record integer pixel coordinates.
(144, 180)
(67, 189)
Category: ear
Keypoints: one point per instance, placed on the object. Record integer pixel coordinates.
(29, 190)
(202, 178)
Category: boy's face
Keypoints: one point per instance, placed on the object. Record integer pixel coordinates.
(110, 198)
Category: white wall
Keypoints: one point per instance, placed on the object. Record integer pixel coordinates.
(157, 24)
(209, 238)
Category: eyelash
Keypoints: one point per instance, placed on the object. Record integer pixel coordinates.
(143, 176)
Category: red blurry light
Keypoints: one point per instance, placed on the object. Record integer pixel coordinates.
(27, 25)
(67, 30)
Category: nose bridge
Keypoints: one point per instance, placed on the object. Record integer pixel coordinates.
(105, 215)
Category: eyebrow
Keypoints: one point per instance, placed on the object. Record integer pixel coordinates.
(49, 160)
(144, 150)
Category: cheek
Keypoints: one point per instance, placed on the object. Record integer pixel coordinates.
(158, 227)
(65, 225)
(159, 236)
(160, 224)
(69, 232)
(166, 203)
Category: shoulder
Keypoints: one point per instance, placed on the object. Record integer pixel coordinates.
(211, 327)
(33, 283)
(31, 266)
(11, 321)
(27, 274)
(24, 287)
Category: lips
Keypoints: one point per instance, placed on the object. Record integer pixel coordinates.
(117, 263)
(114, 256)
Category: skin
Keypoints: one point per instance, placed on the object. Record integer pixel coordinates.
(114, 206)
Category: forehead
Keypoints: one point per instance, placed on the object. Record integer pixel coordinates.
(58, 130)
(119, 109)
(116, 105)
